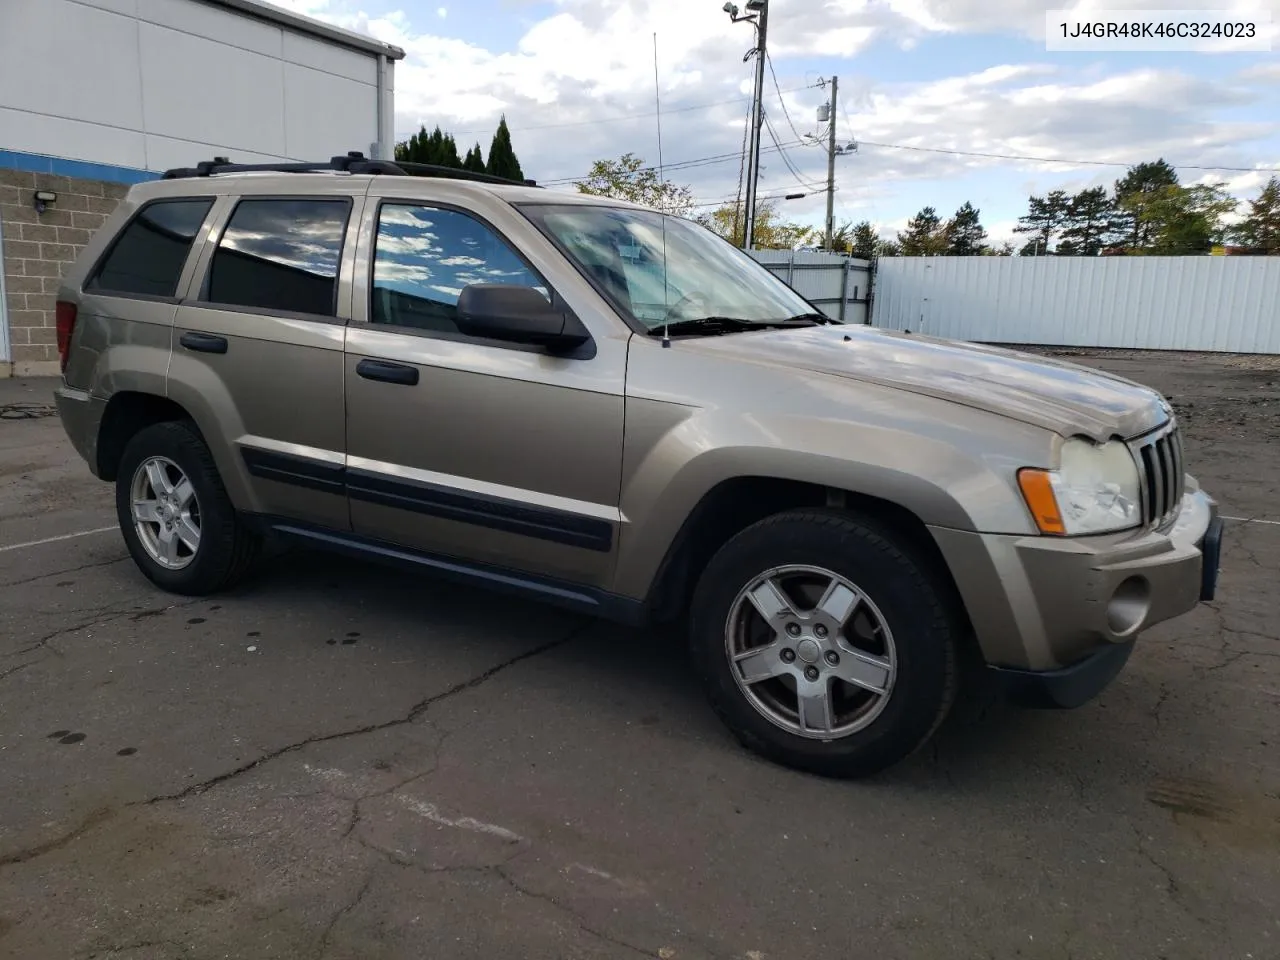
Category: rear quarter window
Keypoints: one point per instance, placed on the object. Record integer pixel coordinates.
(147, 257)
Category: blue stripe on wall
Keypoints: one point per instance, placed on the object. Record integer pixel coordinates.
(82, 169)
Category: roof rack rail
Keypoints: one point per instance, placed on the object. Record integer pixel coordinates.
(352, 162)
(456, 173)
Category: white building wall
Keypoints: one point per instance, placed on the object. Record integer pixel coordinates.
(1229, 304)
(153, 84)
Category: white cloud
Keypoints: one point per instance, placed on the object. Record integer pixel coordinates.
(572, 76)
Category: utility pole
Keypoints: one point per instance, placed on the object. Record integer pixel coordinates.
(757, 121)
(831, 168)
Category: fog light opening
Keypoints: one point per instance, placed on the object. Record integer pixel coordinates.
(1128, 607)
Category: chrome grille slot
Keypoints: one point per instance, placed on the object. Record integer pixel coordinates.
(1159, 457)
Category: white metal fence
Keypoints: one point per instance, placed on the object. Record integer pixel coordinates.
(838, 286)
(1229, 304)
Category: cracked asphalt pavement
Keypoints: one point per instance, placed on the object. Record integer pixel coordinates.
(336, 762)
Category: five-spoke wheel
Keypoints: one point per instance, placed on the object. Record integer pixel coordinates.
(177, 519)
(825, 642)
(166, 512)
(810, 651)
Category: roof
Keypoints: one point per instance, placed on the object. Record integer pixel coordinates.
(302, 182)
(294, 21)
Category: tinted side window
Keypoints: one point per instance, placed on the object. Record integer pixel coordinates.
(281, 255)
(425, 256)
(149, 254)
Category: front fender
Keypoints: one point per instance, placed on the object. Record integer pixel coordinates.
(675, 456)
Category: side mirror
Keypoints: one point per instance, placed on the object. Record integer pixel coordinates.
(517, 314)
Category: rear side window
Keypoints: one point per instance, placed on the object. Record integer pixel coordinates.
(148, 256)
(281, 255)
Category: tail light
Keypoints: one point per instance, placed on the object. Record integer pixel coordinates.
(65, 315)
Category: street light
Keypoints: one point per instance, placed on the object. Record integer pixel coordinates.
(758, 16)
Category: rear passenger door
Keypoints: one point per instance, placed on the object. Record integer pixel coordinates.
(258, 347)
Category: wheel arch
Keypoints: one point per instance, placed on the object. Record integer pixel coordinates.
(127, 413)
(737, 503)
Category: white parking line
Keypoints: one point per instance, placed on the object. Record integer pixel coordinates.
(65, 536)
(428, 811)
(1270, 523)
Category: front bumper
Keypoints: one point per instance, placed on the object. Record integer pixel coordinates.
(1061, 608)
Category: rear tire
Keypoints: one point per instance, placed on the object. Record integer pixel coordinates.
(855, 666)
(178, 522)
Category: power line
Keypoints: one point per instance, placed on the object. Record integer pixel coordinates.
(620, 118)
(727, 200)
(1092, 163)
(786, 159)
(781, 99)
(679, 165)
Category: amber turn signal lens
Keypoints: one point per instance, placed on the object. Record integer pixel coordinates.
(1038, 492)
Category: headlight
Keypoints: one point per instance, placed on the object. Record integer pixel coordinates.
(1095, 490)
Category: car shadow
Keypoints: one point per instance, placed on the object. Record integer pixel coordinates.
(981, 736)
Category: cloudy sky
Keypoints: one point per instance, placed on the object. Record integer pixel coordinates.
(576, 81)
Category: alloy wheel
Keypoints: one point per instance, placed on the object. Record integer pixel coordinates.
(811, 652)
(166, 513)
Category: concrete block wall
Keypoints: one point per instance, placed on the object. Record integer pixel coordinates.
(37, 249)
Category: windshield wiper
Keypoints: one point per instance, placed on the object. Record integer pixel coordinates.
(712, 326)
(815, 318)
(705, 325)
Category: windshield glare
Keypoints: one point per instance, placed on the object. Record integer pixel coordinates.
(663, 269)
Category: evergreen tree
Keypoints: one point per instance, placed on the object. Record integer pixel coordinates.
(415, 148)
(446, 151)
(1045, 218)
(474, 160)
(865, 242)
(1135, 192)
(502, 156)
(1261, 228)
(925, 235)
(965, 235)
(1090, 222)
(437, 148)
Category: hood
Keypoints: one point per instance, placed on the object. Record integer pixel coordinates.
(1063, 397)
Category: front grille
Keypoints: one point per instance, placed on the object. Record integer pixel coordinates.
(1159, 457)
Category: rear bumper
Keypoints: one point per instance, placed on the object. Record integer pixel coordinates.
(1065, 608)
(81, 416)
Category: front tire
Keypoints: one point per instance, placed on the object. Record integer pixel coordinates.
(824, 644)
(178, 522)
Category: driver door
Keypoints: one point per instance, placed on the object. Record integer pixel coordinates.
(492, 452)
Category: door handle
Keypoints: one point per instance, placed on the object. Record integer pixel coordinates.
(204, 342)
(388, 372)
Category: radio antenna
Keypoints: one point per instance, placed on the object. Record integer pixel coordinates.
(657, 99)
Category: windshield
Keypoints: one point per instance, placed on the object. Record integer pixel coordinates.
(664, 270)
